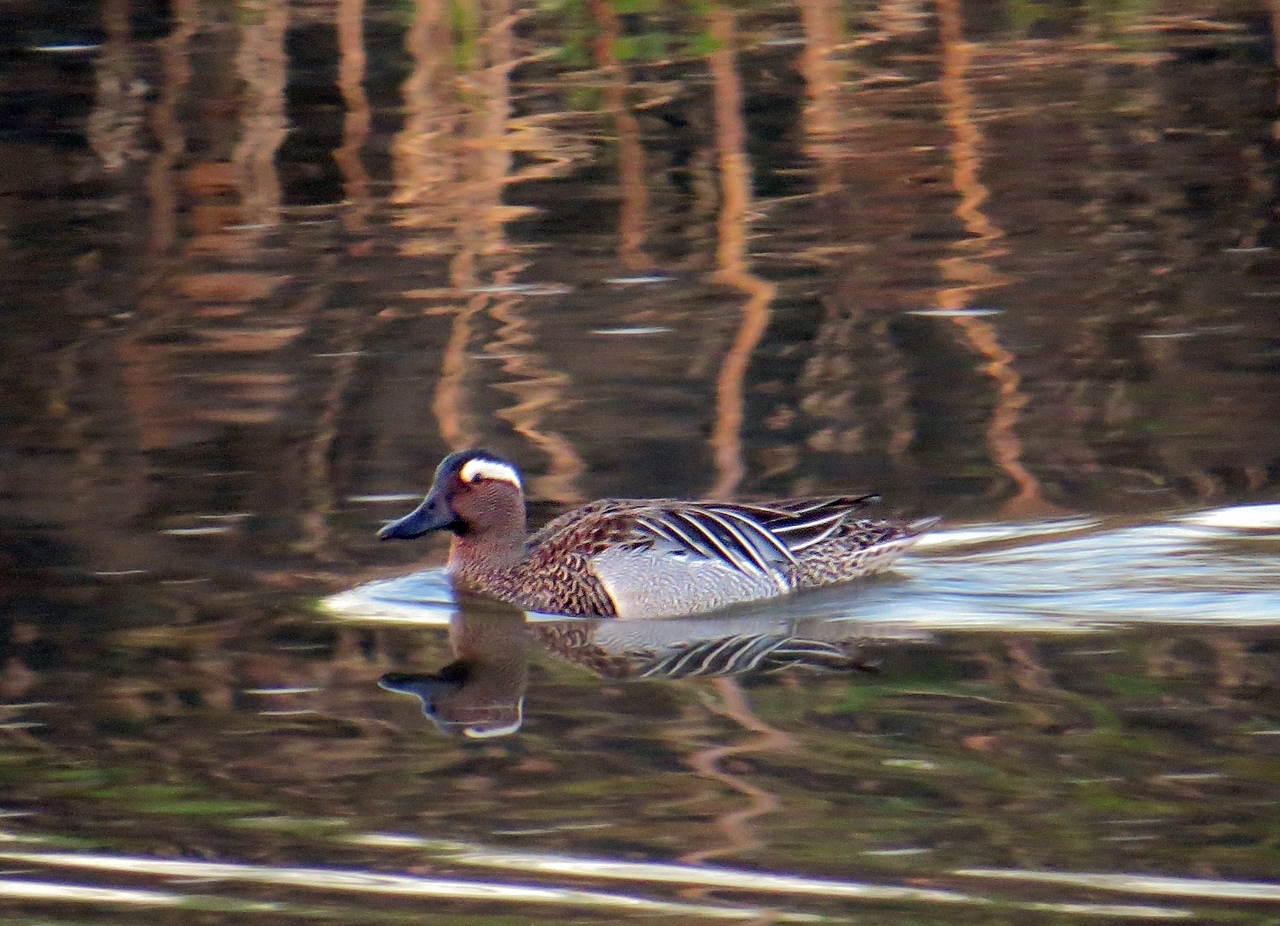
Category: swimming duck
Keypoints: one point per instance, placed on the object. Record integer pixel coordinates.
(645, 558)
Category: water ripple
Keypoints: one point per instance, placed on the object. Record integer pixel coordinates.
(330, 879)
(1212, 567)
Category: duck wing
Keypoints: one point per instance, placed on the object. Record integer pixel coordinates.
(806, 522)
(584, 532)
(754, 538)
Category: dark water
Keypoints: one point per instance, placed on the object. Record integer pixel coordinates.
(264, 263)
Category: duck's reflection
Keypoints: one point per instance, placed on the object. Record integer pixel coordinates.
(481, 693)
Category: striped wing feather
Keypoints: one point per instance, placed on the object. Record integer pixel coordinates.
(745, 655)
(753, 538)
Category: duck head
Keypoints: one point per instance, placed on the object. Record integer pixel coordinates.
(475, 494)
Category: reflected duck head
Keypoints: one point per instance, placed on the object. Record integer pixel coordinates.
(450, 704)
(475, 494)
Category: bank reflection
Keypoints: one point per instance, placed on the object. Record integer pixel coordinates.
(481, 693)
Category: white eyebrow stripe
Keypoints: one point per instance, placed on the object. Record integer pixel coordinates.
(481, 468)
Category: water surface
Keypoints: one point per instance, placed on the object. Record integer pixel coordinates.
(265, 263)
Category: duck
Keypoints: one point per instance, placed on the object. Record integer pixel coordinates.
(643, 558)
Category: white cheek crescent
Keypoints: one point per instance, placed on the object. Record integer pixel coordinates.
(489, 469)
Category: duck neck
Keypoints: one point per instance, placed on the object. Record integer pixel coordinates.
(498, 546)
